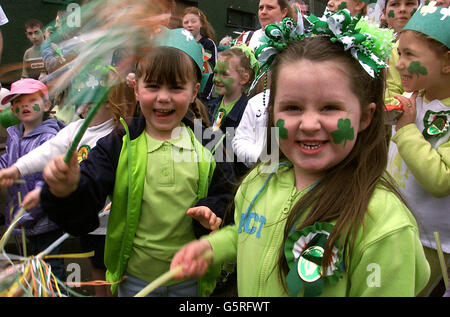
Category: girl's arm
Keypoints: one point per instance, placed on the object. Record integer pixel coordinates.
(35, 160)
(431, 167)
(392, 266)
(77, 213)
(247, 140)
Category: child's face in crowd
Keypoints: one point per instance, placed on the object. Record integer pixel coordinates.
(318, 125)
(354, 6)
(227, 79)
(398, 12)
(269, 11)
(418, 65)
(192, 23)
(34, 34)
(30, 108)
(163, 106)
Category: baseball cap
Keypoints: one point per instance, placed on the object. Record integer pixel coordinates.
(25, 86)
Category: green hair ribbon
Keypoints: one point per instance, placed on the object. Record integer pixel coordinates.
(369, 44)
(254, 64)
(276, 39)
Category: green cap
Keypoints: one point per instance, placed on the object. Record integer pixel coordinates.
(184, 41)
(433, 21)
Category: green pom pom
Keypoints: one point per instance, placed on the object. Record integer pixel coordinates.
(381, 40)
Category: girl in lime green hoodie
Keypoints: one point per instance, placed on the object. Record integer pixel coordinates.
(326, 221)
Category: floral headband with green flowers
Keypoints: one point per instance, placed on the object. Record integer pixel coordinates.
(369, 44)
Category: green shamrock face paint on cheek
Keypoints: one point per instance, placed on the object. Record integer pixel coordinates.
(416, 68)
(17, 110)
(391, 14)
(283, 132)
(344, 132)
(36, 108)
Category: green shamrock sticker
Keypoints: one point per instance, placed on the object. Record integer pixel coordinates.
(281, 129)
(344, 132)
(416, 68)
(36, 108)
(342, 5)
(391, 14)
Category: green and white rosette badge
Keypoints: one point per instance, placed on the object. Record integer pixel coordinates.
(304, 251)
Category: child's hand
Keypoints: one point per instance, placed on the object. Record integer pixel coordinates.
(8, 176)
(409, 110)
(191, 260)
(62, 178)
(205, 216)
(32, 199)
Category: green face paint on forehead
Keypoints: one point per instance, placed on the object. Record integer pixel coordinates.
(391, 14)
(344, 132)
(283, 132)
(36, 108)
(342, 5)
(221, 66)
(416, 68)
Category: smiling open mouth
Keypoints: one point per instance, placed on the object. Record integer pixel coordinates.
(163, 112)
(310, 145)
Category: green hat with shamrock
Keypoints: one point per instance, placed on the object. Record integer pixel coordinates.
(184, 41)
(433, 21)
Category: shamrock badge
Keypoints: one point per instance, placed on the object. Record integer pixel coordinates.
(304, 251)
(436, 124)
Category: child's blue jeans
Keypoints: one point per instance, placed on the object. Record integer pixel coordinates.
(132, 285)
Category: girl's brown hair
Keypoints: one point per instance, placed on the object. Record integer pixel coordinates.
(170, 66)
(244, 63)
(364, 167)
(122, 101)
(206, 29)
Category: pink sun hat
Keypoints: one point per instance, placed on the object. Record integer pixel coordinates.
(25, 86)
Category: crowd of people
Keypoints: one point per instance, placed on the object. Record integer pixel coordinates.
(291, 160)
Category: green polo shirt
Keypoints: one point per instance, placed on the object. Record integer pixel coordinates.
(170, 189)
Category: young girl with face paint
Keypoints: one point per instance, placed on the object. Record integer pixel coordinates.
(166, 186)
(30, 103)
(328, 206)
(419, 152)
(396, 13)
(233, 75)
(105, 121)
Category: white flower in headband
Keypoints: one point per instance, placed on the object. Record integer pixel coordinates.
(369, 44)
